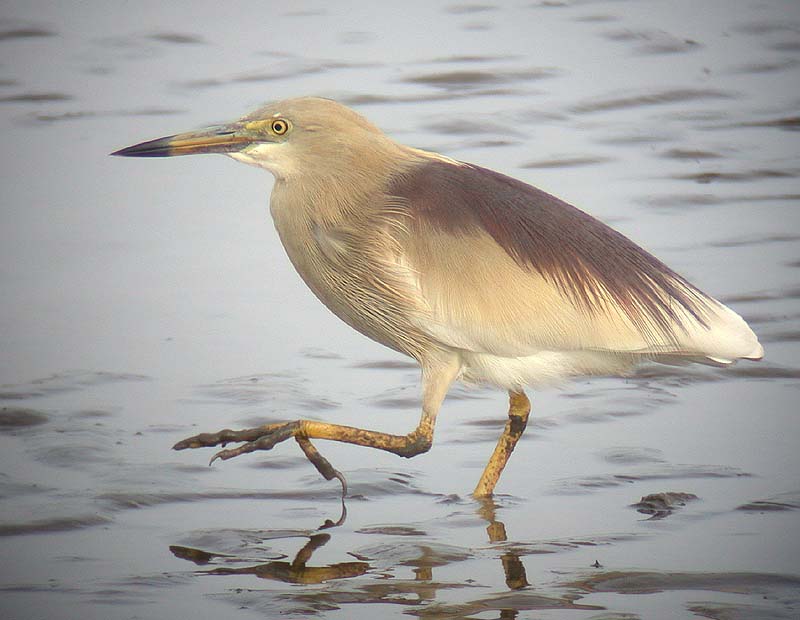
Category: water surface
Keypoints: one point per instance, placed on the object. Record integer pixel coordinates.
(145, 301)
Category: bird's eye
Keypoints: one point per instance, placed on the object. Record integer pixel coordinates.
(279, 126)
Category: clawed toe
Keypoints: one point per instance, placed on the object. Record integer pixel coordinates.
(263, 438)
(224, 455)
(247, 435)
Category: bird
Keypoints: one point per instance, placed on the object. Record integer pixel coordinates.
(478, 276)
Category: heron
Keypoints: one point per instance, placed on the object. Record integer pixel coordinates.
(477, 276)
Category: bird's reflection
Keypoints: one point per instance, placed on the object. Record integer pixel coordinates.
(516, 578)
(296, 571)
(382, 561)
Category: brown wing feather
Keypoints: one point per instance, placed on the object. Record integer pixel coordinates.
(586, 259)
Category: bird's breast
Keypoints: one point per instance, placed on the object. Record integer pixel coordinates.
(352, 267)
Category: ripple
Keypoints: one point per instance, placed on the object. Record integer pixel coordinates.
(588, 484)
(284, 68)
(397, 402)
(317, 353)
(284, 388)
(132, 500)
(776, 503)
(176, 38)
(652, 42)
(75, 455)
(468, 9)
(689, 154)
(632, 455)
(361, 99)
(35, 98)
(677, 95)
(407, 553)
(15, 418)
(764, 371)
(682, 201)
(91, 114)
(567, 162)
(767, 66)
(649, 582)
(65, 382)
(25, 33)
(738, 611)
(455, 59)
(738, 177)
(787, 123)
(767, 27)
(386, 365)
(474, 78)
(789, 45)
(471, 127)
(637, 139)
(392, 530)
(57, 524)
(788, 293)
(10, 489)
(755, 240)
(562, 545)
(597, 18)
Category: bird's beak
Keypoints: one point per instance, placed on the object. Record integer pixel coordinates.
(218, 139)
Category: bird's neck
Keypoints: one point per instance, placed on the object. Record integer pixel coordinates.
(338, 190)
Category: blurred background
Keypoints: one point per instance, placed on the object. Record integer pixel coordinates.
(147, 300)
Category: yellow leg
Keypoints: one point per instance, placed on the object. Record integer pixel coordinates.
(267, 436)
(436, 379)
(518, 411)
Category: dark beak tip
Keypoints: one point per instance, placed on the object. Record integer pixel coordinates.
(145, 149)
(160, 147)
(211, 140)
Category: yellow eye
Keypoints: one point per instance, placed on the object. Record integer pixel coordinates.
(279, 126)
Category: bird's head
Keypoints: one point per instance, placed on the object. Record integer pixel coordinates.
(306, 135)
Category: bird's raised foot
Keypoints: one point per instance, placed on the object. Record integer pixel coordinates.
(252, 439)
(269, 435)
(263, 438)
(226, 436)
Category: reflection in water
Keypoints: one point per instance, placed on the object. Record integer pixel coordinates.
(380, 567)
(296, 571)
(513, 568)
(680, 120)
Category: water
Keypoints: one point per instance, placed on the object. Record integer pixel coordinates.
(145, 301)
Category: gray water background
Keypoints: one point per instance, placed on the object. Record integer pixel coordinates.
(144, 301)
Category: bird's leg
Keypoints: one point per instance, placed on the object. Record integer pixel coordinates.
(267, 436)
(436, 381)
(518, 411)
(321, 463)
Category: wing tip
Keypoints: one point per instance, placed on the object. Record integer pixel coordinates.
(755, 355)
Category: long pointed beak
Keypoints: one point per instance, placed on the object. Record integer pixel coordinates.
(219, 139)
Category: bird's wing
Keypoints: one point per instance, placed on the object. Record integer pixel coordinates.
(507, 269)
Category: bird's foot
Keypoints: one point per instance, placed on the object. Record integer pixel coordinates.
(263, 438)
(252, 439)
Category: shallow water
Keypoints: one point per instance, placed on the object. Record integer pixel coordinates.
(145, 301)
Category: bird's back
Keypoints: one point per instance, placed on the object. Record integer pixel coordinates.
(510, 271)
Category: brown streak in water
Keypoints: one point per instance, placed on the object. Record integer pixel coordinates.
(35, 98)
(25, 33)
(15, 418)
(649, 99)
(621, 582)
